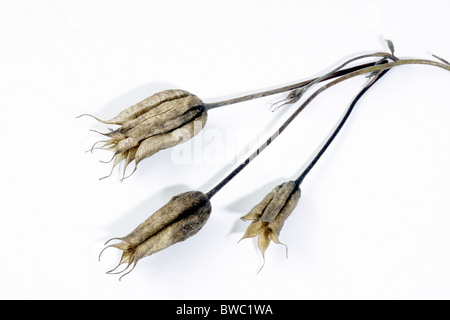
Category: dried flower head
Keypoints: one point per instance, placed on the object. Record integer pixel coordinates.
(270, 214)
(182, 217)
(160, 121)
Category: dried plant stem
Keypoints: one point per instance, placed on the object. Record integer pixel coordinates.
(367, 70)
(322, 150)
(337, 72)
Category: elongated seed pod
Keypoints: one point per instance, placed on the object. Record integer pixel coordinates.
(278, 202)
(277, 224)
(164, 124)
(167, 110)
(125, 144)
(145, 105)
(182, 217)
(159, 122)
(164, 216)
(153, 144)
(178, 231)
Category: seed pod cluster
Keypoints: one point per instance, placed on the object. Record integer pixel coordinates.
(160, 121)
(269, 215)
(182, 217)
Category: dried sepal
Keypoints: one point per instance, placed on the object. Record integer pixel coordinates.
(182, 217)
(264, 240)
(254, 229)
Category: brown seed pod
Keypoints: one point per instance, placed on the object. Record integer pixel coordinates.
(145, 105)
(161, 121)
(182, 217)
(270, 214)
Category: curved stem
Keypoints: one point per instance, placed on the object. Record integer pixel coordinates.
(377, 77)
(337, 72)
(371, 69)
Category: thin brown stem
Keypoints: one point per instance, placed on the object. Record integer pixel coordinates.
(337, 72)
(369, 70)
(322, 150)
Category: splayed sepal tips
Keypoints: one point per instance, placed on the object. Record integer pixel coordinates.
(161, 121)
(269, 215)
(182, 217)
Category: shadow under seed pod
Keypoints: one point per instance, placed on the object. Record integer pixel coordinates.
(161, 121)
(182, 217)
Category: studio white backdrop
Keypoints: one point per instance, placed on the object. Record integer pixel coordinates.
(374, 218)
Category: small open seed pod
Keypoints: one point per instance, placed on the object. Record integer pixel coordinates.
(269, 215)
(160, 121)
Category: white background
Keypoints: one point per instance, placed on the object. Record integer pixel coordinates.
(374, 217)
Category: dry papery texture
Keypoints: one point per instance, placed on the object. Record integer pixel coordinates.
(168, 118)
(270, 214)
(161, 121)
(182, 217)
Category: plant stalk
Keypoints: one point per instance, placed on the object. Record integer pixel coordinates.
(376, 77)
(371, 69)
(337, 72)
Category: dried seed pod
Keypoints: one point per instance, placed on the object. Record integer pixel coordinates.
(270, 214)
(145, 105)
(161, 121)
(182, 217)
